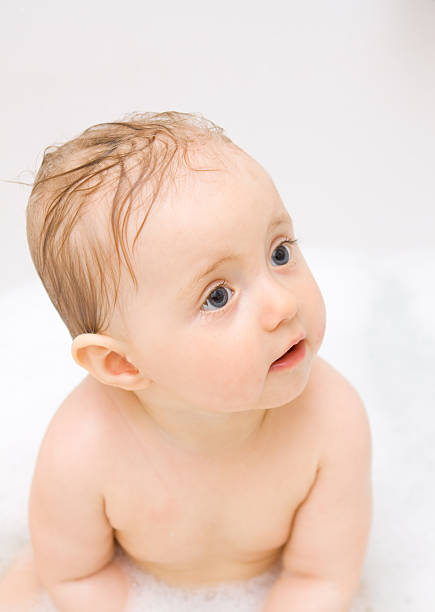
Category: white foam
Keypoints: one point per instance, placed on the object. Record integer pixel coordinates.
(149, 594)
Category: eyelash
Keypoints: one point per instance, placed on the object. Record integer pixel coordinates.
(287, 240)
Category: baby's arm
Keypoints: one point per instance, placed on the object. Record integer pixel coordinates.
(72, 539)
(323, 559)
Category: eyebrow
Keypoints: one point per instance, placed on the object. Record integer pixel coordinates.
(211, 268)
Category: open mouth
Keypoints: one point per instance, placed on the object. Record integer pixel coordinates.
(291, 357)
(286, 353)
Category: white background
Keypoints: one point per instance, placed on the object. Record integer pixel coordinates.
(336, 99)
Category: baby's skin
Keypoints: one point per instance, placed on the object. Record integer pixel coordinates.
(182, 444)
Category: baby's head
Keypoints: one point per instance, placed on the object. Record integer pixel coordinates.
(126, 225)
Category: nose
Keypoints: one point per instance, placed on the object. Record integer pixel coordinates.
(278, 302)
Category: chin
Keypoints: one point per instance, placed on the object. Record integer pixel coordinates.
(290, 388)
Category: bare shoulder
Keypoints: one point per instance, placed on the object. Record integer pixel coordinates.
(338, 409)
(327, 387)
(81, 427)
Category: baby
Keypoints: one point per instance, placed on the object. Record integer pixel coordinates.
(209, 439)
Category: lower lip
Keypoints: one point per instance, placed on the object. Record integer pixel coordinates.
(291, 358)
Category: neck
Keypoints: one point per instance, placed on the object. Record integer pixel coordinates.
(191, 430)
(208, 433)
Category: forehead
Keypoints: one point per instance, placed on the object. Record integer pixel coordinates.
(205, 213)
(229, 185)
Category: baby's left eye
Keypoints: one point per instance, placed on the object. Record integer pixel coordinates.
(282, 253)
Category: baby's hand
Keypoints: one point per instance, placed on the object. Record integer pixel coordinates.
(299, 594)
(105, 590)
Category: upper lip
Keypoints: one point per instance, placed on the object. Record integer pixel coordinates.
(292, 343)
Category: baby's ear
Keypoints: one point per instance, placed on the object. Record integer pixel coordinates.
(106, 360)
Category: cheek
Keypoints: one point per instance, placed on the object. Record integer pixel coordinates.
(221, 369)
(223, 359)
(314, 308)
(319, 317)
(322, 330)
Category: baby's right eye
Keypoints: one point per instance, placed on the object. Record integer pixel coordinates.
(218, 297)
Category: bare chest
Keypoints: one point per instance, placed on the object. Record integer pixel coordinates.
(191, 521)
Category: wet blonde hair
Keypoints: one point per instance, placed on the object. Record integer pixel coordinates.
(75, 263)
